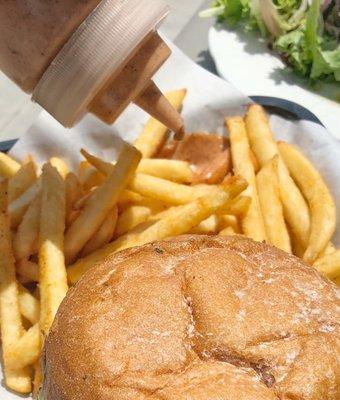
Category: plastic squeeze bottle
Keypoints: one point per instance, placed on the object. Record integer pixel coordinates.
(79, 56)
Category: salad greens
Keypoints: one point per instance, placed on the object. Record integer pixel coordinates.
(305, 32)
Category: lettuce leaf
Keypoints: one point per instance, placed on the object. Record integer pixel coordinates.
(309, 51)
(296, 31)
(231, 11)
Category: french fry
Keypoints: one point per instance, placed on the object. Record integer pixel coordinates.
(89, 177)
(173, 170)
(21, 181)
(337, 281)
(17, 379)
(255, 162)
(131, 217)
(154, 133)
(27, 159)
(52, 272)
(27, 233)
(228, 231)
(295, 208)
(315, 190)
(269, 195)
(26, 350)
(166, 191)
(240, 206)
(73, 192)
(329, 265)
(252, 222)
(100, 203)
(207, 227)
(260, 134)
(129, 197)
(29, 305)
(101, 165)
(172, 222)
(78, 205)
(37, 381)
(104, 234)
(225, 221)
(28, 271)
(20, 205)
(60, 165)
(329, 249)
(8, 166)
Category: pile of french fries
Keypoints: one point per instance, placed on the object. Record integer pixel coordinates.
(56, 224)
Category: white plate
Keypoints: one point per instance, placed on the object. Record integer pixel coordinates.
(246, 62)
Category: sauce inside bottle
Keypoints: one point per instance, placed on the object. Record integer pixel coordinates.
(79, 56)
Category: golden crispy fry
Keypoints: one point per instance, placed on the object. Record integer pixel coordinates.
(52, 272)
(269, 195)
(172, 170)
(60, 165)
(28, 231)
(329, 265)
(8, 166)
(73, 192)
(19, 206)
(89, 177)
(27, 159)
(21, 181)
(329, 249)
(38, 378)
(260, 134)
(26, 350)
(100, 203)
(17, 379)
(337, 281)
(133, 216)
(166, 191)
(240, 206)
(104, 234)
(28, 271)
(225, 221)
(94, 179)
(161, 189)
(129, 197)
(172, 222)
(101, 165)
(295, 208)
(315, 190)
(154, 133)
(78, 205)
(228, 231)
(252, 222)
(29, 305)
(207, 227)
(254, 160)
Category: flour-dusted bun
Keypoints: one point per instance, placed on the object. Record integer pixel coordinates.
(197, 318)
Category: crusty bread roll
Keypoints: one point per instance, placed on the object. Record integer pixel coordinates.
(197, 318)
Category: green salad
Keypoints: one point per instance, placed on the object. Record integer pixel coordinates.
(306, 33)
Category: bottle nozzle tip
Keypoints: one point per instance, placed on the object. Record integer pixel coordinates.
(179, 135)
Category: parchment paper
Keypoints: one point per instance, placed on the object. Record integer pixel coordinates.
(209, 100)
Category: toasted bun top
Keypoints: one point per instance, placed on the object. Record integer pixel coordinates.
(199, 318)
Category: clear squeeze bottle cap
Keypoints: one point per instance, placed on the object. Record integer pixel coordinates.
(100, 61)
